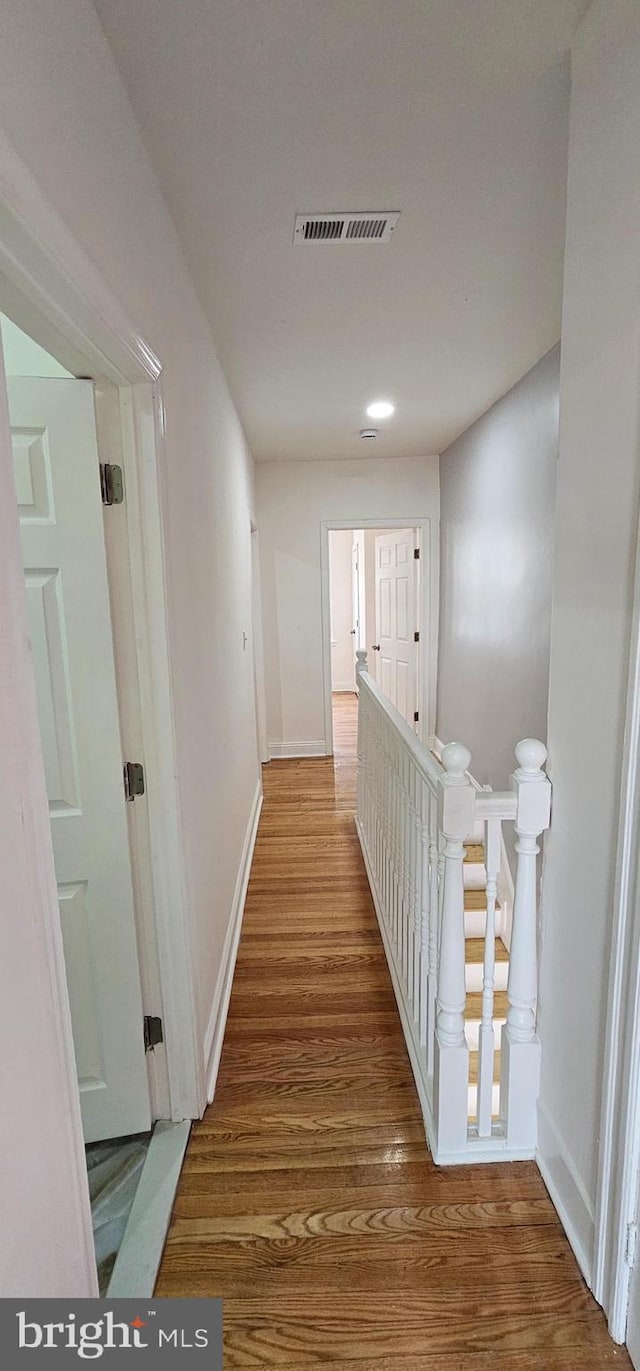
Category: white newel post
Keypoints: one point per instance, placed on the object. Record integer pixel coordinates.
(451, 1056)
(520, 1061)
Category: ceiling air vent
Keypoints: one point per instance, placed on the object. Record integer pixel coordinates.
(375, 226)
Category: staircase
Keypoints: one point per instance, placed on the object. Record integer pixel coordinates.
(433, 845)
(475, 911)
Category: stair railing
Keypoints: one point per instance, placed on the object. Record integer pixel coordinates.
(415, 813)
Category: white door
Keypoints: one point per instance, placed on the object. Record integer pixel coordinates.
(396, 620)
(58, 490)
(356, 631)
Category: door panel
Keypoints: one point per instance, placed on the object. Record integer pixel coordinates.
(396, 619)
(58, 491)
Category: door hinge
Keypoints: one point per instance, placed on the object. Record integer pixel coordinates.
(133, 779)
(416, 553)
(416, 717)
(111, 484)
(416, 636)
(153, 1034)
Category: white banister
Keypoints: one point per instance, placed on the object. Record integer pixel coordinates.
(415, 815)
(520, 1058)
(451, 1061)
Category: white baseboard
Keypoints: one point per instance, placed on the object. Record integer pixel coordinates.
(316, 748)
(140, 1253)
(222, 994)
(347, 688)
(567, 1192)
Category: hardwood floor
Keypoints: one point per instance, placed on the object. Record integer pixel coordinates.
(308, 1199)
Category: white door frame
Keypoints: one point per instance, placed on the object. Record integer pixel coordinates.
(428, 606)
(619, 1156)
(52, 290)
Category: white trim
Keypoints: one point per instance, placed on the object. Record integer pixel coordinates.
(316, 748)
(222, 993)
(173, 926)
(344, 688)
(567, 1191)
(619, 1155)
(140, 1253)
(429, 602)
(43, 261)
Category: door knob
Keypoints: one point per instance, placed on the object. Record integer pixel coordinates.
(375, 647)
(352, 632)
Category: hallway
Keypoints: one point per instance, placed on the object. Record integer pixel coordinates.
(308, 1199)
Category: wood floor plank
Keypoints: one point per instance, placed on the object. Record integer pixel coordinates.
(308, 1199)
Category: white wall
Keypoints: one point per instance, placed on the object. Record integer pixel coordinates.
(64, 109)
(343, 643)
(497, 503)
(293, 499)
(595, 538)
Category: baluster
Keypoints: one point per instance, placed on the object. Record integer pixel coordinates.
(407, 875)
(398, 837)
(425, 907)
(520, 1062)
(436, 875)
(486, 1045)
(451, 1058)
(391, 786)
(417, 869)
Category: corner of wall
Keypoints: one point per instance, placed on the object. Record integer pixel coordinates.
(567, 1192)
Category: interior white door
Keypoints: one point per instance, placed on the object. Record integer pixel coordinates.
(58, 491)
(356, 631)
(396, 619)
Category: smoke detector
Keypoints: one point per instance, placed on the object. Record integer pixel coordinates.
(374, 226)
(368, 433)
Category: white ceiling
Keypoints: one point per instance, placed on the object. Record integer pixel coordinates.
(453, 111)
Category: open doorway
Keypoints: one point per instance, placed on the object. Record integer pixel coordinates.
(376, 602)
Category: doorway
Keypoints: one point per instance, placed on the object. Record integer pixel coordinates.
(377, 596)
(59, 496)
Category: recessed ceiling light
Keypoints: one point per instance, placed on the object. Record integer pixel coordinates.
(380, 409)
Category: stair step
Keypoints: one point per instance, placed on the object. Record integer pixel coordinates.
(476, 899)
(474, 950)
(473, 1018)
(473, 1006)
(474, 965)
(474, 852)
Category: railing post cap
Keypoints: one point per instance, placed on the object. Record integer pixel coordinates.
(456, 759)
(361, 659)
(531, 755)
